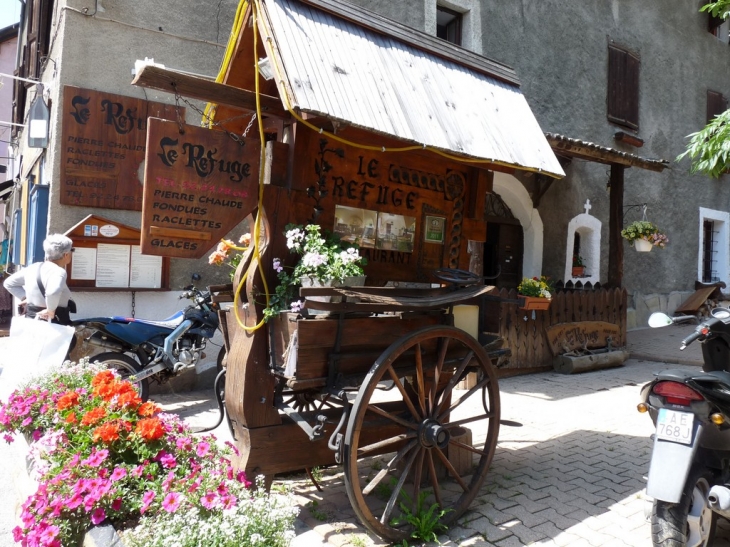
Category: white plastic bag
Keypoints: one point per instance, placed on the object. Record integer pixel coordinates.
(34, 346)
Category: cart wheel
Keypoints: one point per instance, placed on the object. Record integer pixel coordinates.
(421, 427)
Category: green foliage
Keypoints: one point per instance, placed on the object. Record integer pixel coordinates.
(721, 8)
(643, 229)
(426, 522)
(709, 149)
(578, 261)
(537, 287)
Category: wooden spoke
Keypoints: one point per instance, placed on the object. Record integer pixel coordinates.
(391, 464)
(437, 371)
(365, 450)
(463, 421)
(467, 447)
(419, 380)
(454, 380)
(450, 468)
(406, 398)
(434, 479)
(396, 491)
(463, 398)
(417, 480)
(380, 412)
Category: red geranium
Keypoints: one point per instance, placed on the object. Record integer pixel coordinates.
(150, 429)
(108, 433)
(67, 400)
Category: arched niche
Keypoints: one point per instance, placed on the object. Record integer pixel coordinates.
(588, 230)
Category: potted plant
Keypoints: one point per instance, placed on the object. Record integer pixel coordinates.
(325, 261)
(644, 235)
(535, 292)
(579, 268)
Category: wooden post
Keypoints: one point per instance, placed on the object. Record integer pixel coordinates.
(615, 223)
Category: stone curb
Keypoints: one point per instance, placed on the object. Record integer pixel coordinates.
(102, 536)
(669, 360)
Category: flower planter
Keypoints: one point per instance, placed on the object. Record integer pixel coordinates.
(578, 271)
(353, 281)
(534, 303)
(642, 245)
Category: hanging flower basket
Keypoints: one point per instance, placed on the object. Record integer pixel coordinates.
(534, 293)
(642, 245)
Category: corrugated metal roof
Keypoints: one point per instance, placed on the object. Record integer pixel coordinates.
(347, 72)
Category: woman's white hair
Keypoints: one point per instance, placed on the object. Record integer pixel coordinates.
(56, 245)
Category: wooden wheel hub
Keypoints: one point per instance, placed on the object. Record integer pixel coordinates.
(431, 433)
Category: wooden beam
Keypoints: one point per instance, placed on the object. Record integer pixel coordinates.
(195, 87)
(615, 222)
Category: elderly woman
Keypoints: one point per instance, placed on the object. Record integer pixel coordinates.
(43, 285)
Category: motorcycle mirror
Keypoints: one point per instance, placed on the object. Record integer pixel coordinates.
(659, 319)
(196, 277)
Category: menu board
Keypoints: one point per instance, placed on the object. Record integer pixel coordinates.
(83, 264)
(145, 270)
(112, 265)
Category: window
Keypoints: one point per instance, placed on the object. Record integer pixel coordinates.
(448, 25)
(718, 27)
(716, 104)
(623, 87)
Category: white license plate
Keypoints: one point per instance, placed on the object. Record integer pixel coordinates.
(675, 426)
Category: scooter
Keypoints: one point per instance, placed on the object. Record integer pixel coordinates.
(689, 473)
(144, 349)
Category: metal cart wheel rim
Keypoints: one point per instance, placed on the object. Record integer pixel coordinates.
(427, 431)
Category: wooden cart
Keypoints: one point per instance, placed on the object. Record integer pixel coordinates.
(368, 382)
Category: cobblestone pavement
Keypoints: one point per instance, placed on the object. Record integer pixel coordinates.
(572, 474)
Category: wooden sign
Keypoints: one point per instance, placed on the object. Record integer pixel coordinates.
(565, 337)
(103, 147)
(198, 186)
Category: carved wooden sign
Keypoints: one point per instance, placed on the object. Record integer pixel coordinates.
(103, 147)
(198, 186)
(565, 337)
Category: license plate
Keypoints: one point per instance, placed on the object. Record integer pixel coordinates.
(675, 426)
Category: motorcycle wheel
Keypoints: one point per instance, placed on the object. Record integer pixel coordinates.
(689, 523)
(126, 367)
(221, 364)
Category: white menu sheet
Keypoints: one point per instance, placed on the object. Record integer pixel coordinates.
(112, 265)
(83, 264)
(146, 270)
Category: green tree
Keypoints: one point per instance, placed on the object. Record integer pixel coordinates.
(709, 149)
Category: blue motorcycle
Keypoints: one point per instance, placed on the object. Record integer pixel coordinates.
(143, 349)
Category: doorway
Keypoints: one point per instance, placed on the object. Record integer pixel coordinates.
(503, 252)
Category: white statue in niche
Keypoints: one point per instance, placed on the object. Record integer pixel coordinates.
(583, 247)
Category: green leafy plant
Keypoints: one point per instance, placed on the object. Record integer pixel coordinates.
(426, 521)
(709, 148)
(643, 229)
(538, 287)
(578, 261)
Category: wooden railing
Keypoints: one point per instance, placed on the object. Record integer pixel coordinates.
(523, 331)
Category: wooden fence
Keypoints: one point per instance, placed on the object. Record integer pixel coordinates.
(524, 331)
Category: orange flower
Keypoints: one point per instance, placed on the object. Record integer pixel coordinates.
(150, 429)
(217, 258)
(245, 239)
(93, 416)
(67, 400)
(108, 433)
(103, 377)
(71, 418)
(129, 398)
(148, 409)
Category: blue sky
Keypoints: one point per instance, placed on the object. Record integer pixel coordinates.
(9, 12)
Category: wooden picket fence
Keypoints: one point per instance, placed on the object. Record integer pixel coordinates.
(524, 331)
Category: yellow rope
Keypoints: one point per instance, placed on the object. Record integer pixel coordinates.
(257, 224)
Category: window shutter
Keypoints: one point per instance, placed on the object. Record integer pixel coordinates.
(623, 87)
(716, 104)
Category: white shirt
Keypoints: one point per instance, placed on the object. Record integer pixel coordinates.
(24, 284)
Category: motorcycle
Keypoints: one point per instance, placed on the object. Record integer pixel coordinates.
(145, 349)
(689, 473)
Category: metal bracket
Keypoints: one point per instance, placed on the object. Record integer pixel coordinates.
(312, 432)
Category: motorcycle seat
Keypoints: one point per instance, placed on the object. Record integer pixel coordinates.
(169, 323)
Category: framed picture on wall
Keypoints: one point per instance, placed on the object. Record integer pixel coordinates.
(435, 229)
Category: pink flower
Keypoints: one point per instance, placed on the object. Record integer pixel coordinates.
(168, 461)
(97, 516)
(202, 449)
(241, 477)
(74, 501)
(171, 502)
(147, 500)
(17, 534)
(210, 500)
(8, 438)
(37, 434)
(228, 502)
(118, 474)
(184, 443)
(117, 504)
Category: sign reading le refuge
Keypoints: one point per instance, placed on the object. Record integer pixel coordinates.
(103, 147)
(198, 186)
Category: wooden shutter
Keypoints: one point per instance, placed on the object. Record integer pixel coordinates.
(716, 104)
(623, 87)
